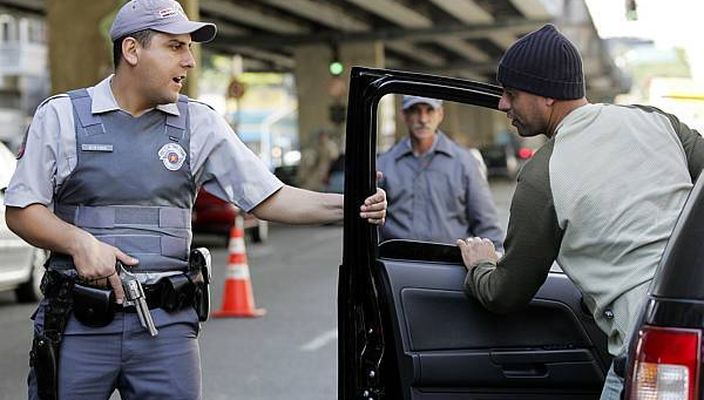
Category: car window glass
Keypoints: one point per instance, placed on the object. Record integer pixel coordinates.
(427, 169)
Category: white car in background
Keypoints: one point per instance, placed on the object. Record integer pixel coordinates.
(21, 265)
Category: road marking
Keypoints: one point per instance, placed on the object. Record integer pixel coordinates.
(320, 341)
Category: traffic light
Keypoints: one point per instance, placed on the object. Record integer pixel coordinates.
(336, 68)
(631, 10)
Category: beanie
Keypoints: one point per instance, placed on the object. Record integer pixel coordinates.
(543, 62)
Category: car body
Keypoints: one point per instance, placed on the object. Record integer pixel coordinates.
(215, 216)
(506, 155)
(287, 174)
(408, 331)
(21, 265)
(665, 353)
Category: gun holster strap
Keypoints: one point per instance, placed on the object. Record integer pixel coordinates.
(44, 355)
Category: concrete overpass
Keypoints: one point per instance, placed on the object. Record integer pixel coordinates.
(463, 38)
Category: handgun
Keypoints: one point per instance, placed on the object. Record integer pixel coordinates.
(134, 296)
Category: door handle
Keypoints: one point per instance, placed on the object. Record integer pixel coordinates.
(532, 363)
(524, 370)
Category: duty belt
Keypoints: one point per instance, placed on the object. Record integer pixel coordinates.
(172, 292)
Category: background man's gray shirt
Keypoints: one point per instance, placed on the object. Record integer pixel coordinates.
(440, 196)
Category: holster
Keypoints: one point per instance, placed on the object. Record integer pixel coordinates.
(44, 355)
(200, 273)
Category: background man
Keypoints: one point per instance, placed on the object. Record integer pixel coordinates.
(110, 174)
(436, 189)
(601, 196)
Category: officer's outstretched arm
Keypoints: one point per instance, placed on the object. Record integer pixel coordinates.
(292, 205)
(93, 259)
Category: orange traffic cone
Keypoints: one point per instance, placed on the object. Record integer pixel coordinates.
(238, 298)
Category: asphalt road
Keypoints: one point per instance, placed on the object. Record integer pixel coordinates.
(290, 353)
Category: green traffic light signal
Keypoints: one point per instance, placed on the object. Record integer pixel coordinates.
(336, 68)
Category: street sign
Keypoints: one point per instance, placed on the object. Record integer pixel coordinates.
(236, 89)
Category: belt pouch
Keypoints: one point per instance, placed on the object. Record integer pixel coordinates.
(93, 307)
(176, 292)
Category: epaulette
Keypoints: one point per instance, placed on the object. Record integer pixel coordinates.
(190, 100)
(48, 99)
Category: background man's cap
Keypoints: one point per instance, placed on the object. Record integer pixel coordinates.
(409, 101)
(165, 16)
(543, 62)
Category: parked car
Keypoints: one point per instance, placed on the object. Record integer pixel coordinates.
(287, 174)
(507, 155)
(501, 160)
(21, 265)
(212, 215)
(335, 181)
(407, 331)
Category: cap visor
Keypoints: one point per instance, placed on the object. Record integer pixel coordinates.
(199, 31)
(432, 103)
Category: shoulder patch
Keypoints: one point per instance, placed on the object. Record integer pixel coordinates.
(23, 145)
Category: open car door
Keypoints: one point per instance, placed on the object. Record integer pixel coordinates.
(406, 328)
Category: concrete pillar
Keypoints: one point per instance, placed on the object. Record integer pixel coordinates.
(367, 54)
(80, 49)
(315, 86)
(79, 45)
(312, 80)
(470, 126)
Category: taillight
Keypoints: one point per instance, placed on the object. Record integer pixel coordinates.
(666, 364)
(525, 153)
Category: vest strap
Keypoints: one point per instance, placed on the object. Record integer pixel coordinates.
(82, 102)
(176, 124)
(167, 246)
(124, 216)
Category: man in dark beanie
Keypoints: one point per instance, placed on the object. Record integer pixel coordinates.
(601, 197)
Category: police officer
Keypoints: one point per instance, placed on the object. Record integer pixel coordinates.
(110, 173)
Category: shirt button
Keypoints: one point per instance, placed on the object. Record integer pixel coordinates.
(608, 314)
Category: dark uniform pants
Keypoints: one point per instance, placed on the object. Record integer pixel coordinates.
(96, 361)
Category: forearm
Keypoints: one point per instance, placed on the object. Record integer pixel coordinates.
(292, 205)
(532, 244)
(40, 227)
(505, 288)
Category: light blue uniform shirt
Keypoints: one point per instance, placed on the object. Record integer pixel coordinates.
(220, 162)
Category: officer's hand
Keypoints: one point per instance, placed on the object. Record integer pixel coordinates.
(477, 250)
(374, 207)
(95, 262)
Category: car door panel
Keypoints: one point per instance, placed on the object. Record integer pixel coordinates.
(407, 328)
(454, 343)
